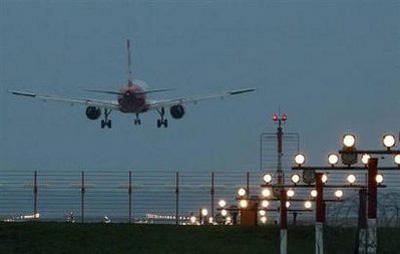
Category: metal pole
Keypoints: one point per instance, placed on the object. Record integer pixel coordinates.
(82, 197)
(212, 194)
(372, 205)
(177, 198)
(320, 215)
(279, 135)
(35, 192)
(130, 198)
(362, 222)
(283, 222)
(248, 183)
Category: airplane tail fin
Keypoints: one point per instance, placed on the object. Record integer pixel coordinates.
(128, 47)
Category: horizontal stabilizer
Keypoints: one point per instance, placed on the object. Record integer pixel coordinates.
(102, 91)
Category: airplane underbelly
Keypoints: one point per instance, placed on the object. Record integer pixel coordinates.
(129, 105)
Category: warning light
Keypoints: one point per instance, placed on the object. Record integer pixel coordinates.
(284, 117)
(275, 117)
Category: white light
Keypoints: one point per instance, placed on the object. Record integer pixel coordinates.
(324, 178)
(397, 159)
(295, 178)
(243, 203)
(267, 178)
(349, 140)
(307, 204)
(365, 158)
(313, 193)
(287, 204)
(222, 203)
(333, 159)
(263, 219)
(299, 159)
(261, 213)
(338, 193)
(224, 212)
(351, 178)
(388, 141)
(241, 192)
(193, 219)
(228, 219)
(379, 178)
(265, 203)
(290, 193)
(211, 220)
(204, 212)
(266, 192)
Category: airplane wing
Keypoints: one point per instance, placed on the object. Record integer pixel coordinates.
(82, 101)
(170, 102)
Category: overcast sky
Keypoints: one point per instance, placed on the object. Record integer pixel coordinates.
(332, 66)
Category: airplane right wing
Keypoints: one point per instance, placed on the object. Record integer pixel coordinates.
(170, 102)
(112, 105)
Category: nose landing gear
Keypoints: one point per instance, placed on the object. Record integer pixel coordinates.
(162, 121)
(137, 120)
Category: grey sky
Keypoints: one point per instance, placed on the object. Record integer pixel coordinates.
(333, 66)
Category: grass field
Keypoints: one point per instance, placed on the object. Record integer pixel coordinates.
(123, 238)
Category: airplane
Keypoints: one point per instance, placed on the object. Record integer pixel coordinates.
(132, 98)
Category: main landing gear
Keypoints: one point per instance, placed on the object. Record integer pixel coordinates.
(106, 122)
(137, 120)
(162, 121)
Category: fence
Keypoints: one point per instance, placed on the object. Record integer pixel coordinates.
(161, 196)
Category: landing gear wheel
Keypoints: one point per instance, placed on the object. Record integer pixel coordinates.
(106, 121)
(162, 121)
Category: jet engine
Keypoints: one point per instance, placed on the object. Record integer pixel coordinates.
(177, 111)
(93, 113)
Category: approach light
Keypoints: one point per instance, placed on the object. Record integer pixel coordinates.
(287, 204)
(224, 212)
(204, 212)
(349, 140)
(241, 192)
(338, 193)
(379, 178)
(351, 178)
(290, 193)
(299, 159)
(333, 159)
(266, 192)
(262, 212)
(324, 178)
(267, 178)
(295, 178)
(397, 159)
(388, 141)
(211, 220)
(263, 219)
(365, 158)
(313, 193)
(193, 219)
(228, 219)
(222, 203)
(243, 203)
(307, 204)
(264, 203)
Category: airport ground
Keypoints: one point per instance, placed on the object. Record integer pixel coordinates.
(124, 238)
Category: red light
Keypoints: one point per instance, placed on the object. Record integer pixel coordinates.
(275, 117)
(284, 117)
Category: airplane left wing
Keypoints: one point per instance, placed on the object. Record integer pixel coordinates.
(82, 101)
(170, 102)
